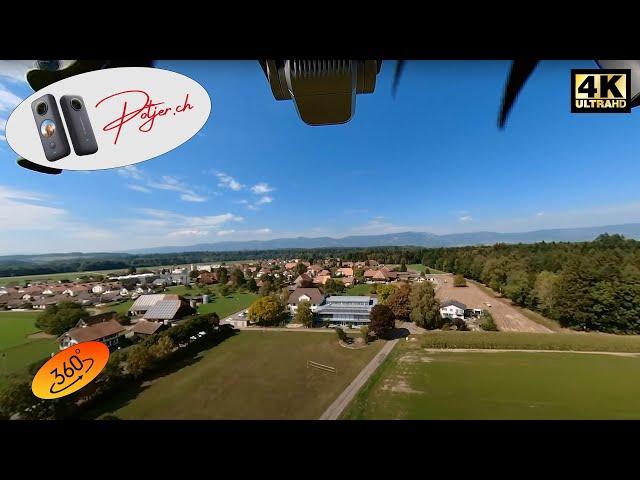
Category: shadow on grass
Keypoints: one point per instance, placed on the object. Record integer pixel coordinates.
(398, 333)
(129, 390)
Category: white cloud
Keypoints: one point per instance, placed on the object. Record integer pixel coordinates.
(263, 230)
(465, 218)
(131, 171)
(211, 221)
(19, 211)
(190, 197)
(166, 182)
(262, 188)
(223, 233)
(16, 70)
(539, 214)
(8, 100)
(139, 188)
(227, 181)
(265, 199)
(376, 226)
(189, 233)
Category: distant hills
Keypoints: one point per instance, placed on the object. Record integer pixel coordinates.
(420, 239)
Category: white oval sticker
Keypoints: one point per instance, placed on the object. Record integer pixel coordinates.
(108, 118)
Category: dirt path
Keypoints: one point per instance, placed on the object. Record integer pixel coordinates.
(499, 350)
(506, 316)
(337, 407)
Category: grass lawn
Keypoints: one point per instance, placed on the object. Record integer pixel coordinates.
(414, 384)
(119, 308)
(252, 375)
(183, 290)
(420, 268)
(360, 289)
(225, 306)
(15, 327)
(19, 351)
(595, 342)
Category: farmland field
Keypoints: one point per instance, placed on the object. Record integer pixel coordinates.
(418, 384)
(252, 375)
(589, 342)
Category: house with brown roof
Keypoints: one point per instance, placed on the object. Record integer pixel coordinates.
(303, 280)
(348, 281)
(109, 333)
(321, 279)
(144, 328)
(208, 278)
(344, 272)
(381, 275)
(312, 295)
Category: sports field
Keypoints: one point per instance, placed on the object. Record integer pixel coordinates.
(418, 384)
(252, 375)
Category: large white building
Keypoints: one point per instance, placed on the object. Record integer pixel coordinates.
(348, 310)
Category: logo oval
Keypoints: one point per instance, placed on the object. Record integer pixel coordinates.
(108, 118)
(70, 370)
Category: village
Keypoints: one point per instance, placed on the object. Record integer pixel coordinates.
(144, 302)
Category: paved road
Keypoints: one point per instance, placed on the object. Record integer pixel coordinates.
(337, 407)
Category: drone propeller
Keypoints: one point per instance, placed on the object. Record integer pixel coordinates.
(37, 167)
(520, 72)
(396, 77)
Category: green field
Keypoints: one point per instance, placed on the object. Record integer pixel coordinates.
(17, 350)
(252, 375)
(414, 384)
(360, 289)
(594, 342)
(225, 306)
(119, 308)
(15, 327)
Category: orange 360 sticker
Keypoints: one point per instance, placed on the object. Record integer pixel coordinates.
(70, 370)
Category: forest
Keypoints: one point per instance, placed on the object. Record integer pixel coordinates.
(584, 286)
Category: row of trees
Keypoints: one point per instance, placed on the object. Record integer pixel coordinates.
(586, 286)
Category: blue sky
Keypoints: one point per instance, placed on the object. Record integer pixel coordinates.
(432, 159)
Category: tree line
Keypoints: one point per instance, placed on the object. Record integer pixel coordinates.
(584, 286)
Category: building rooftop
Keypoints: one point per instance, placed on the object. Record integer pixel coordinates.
(95, 332)
(456, 303)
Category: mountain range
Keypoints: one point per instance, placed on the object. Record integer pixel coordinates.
(420, 239)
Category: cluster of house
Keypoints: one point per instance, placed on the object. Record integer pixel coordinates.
(114, 289)
(149, 314)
